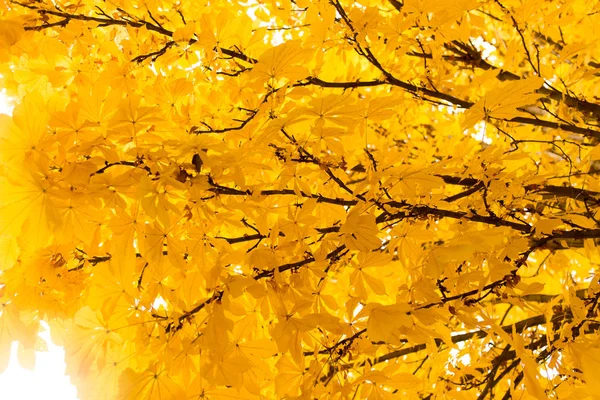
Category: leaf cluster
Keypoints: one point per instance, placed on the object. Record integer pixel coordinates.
(303, 199)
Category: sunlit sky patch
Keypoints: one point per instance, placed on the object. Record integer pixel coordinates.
(46, 381)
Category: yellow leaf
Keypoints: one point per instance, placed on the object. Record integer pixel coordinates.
(152, 384)
(360, 231)
(503, 102)
(546, 226)
(385, 320)
(289, 378)
(185, 33)
(10, 33)
(534, 287)
(26, 132)
(588, 355)
(9, 251)
(284, 61)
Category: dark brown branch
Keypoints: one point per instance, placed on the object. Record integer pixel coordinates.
(397, 4)
(171, 327)
(517, 327)
(155, 54)
(452, 100)
(242, 239)
(333, 255)
(98, 259)
(108, 21)
(135, 164)
(538, 298)
(224, 190)
(140, 279)
(555, 125)
(465, 193)
(558, 191)
(241, 126)
(423, 210)
(340, 85)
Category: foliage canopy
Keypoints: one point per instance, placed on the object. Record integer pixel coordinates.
(304, 199)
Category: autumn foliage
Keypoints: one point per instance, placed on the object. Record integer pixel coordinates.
(304, 199)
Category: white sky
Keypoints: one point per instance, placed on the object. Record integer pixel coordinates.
(5, 104)
(47, 381)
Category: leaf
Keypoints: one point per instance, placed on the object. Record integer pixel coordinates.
(410, 181)
(289, 378)
(185, 33)
(151, 384)
(385, 320)
(275, 199)
(547, 226)
(338, 109)
(28, 207)
(10, 33)
(9, 252)
(589, 358)
(284, 61)
(504, 102)
(360, 232)
(26, 131)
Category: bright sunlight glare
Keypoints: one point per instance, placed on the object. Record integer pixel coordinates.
(6, 105)
(48, 379)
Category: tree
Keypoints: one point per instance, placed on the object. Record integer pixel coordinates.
(304, 199)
